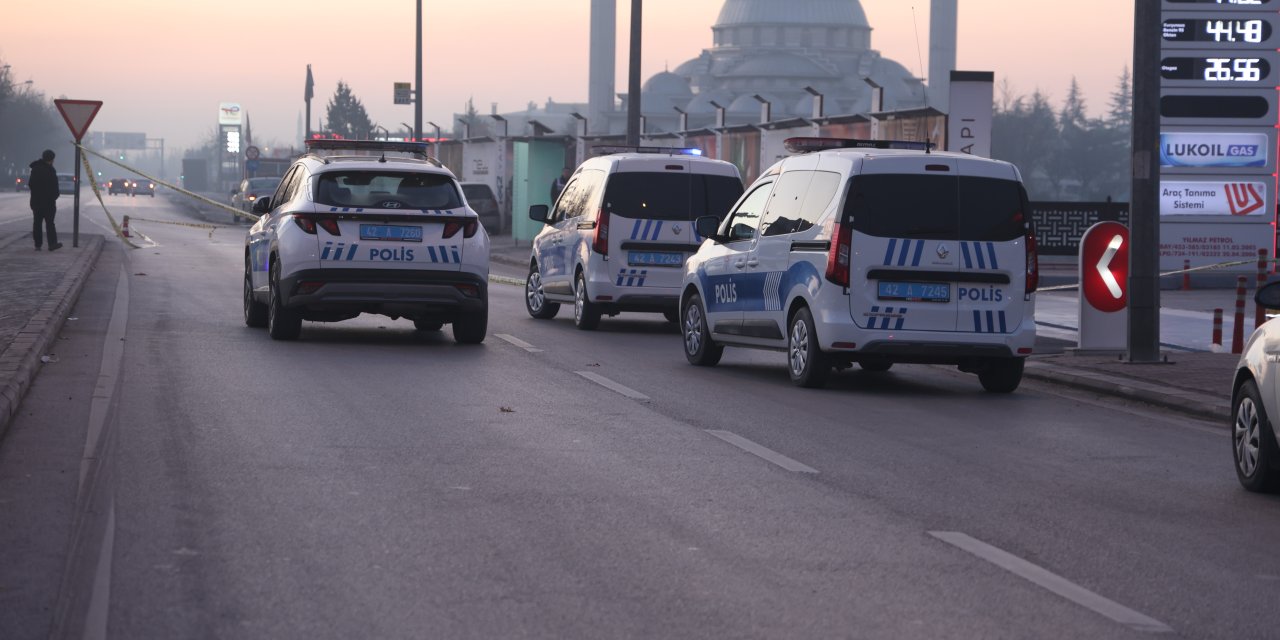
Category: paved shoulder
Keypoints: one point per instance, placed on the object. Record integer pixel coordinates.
(38, 290)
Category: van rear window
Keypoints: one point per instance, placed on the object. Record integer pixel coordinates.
(935, 207)
(670, 196)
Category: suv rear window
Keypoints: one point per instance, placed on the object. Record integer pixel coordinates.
(374, 188)
(935, 207)
(670, 196)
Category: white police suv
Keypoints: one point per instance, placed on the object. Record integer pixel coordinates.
(618, 236)
(354, 228)
(873, 252)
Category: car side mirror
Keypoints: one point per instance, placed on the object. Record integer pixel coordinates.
(707, 226)
(1268, 296)
(539, 213)
(262, 205)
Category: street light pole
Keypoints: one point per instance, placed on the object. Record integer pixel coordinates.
(417, 87)
(1144, 218)
(633, 86)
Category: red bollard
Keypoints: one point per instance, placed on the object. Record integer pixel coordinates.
(1260, 314)
(124, 227)
(1186, 275)
(1237, 334)
(1217, 327)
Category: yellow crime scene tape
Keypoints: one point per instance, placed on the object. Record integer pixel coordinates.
(1208, 267)
(97, 192)
(190, 194)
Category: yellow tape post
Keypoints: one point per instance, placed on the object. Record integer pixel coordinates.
(97, 192)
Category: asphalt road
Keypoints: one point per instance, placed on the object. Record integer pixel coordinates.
(373, 481)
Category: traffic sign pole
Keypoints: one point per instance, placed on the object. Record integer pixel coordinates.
(77, 114)
(1144, 211)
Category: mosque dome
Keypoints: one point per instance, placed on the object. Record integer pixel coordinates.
(667, 84)
(828, 13)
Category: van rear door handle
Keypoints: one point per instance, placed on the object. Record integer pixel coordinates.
(740, 264)
(753, 263)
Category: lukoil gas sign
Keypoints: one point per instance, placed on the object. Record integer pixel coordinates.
(1225, 198)
(1213, 149)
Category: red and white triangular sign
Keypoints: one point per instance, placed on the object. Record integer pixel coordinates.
(78, 114)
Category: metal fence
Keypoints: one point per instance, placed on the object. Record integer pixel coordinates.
(1060, 225)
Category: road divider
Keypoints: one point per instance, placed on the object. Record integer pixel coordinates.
(515, 282)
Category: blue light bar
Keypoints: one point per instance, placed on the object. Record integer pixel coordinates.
(415, 148)
(608, 150)
(810, 145)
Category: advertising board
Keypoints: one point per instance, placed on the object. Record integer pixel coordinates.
(1221, 198)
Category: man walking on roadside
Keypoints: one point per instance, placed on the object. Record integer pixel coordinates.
(44, 196)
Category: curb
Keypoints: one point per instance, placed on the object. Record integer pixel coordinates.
(22, 357)
(1191, 403)
(508, 260)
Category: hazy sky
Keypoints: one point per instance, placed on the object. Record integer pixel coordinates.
(162, 66)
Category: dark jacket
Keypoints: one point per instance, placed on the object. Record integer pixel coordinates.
(43, 184)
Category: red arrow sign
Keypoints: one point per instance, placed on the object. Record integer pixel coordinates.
(78, 114)
(1104, 261)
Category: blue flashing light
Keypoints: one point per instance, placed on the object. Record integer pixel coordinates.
(694, 152)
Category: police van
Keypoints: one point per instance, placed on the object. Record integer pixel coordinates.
(618, 236)
(870, 252)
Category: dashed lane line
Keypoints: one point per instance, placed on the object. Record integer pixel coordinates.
(517, 342)
(763, 452)
(1053, 582)
(613, 386)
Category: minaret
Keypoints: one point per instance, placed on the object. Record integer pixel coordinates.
(943, 18)
(604, 46)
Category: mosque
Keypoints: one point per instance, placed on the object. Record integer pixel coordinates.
(779, 52)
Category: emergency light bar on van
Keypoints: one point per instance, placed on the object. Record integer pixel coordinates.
(416, 148)
(810, 145)
(609, 150)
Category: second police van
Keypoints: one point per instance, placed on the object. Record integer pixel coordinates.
(618, 236)
(870, 252)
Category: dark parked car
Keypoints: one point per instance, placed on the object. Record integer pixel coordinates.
(480, 197)
(143, 187)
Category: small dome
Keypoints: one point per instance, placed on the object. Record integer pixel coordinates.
(749, 104)
(667, 84)
(701, 103)
(829, 13)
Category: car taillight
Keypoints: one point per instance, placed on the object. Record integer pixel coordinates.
(1033, 261)
(467, 228)
(840, 255)
(600, 242)
(330, 225)
(306, 223)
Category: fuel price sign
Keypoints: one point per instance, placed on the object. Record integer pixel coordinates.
(1245, 69)
(1225, 30)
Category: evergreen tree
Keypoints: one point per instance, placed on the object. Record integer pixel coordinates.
(347, 116)
(1120, 110)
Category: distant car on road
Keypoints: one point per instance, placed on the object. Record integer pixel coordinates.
(19, 183)
(118, 185)
(481, 199)
(250, 190)
(1254, 402)
(143, 187)
(66, 182)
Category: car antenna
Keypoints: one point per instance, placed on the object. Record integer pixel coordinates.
(383, 159)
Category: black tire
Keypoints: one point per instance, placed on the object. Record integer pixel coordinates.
(470, 328)
(255, 313)
(672, 316)
(586, 314)
(1253, 442)
(699, 348)
(807, 364)
(535, 300)
(428, 325)
(875, 366)
(282, 323)
(1002, 375)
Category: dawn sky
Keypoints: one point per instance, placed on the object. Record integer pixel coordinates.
(162, 67)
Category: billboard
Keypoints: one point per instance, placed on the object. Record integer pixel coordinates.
(1221, 198)
(230, 113)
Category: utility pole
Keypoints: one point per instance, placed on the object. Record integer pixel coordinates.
(417, 86)
(1144, 208)
(633, 85)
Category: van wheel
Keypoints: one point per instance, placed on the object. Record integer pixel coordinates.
(586, 314)
(1002, 375)
(282, 323)
(470, 328)
(1253, 442)
(699, 348)
(535, 300)
(808, 365)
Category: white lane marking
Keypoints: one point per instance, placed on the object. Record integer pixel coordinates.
(763, 452)
(609, 384)
(1053, 582)
(108, 375)
(517, 342)
(95, 621)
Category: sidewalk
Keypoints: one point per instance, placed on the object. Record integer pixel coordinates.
(36, 293)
